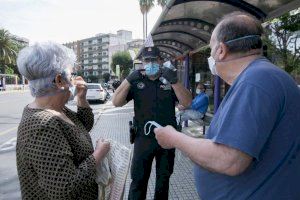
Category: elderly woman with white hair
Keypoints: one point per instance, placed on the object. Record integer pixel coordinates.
(55, 155)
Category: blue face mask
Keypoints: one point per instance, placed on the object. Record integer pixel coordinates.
(151, 69)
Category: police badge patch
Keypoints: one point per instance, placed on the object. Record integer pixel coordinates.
(166, 87)
(140, 85)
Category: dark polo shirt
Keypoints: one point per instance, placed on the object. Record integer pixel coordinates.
(153, 101)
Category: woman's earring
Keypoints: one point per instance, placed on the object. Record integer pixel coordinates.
(62, 88)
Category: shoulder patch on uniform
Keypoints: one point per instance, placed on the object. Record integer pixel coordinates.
(140, 85)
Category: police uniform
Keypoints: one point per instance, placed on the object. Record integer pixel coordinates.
(153, 101)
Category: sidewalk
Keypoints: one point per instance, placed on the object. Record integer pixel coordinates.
(113, 124)
(13, 91)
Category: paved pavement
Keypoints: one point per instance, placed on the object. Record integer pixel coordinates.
(110, 122)
(113, 124)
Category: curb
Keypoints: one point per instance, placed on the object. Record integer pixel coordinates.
(13, 91)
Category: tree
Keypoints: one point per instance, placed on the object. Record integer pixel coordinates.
(122, 59)
(162, 3)
(106, 77)
(284, 39)
(93, 79)
(145, 7)
(8, 50)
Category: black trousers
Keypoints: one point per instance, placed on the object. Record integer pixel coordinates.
(145, 149)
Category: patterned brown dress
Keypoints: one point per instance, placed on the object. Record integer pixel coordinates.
(54, 157)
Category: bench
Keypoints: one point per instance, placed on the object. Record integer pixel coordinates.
(204, 122)
(190, 130)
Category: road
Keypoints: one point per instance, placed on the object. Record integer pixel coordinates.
(11, 108)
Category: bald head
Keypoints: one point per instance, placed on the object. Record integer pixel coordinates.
(240, 32)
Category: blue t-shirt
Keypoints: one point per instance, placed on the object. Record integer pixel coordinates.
(260, 116)
(200, 103)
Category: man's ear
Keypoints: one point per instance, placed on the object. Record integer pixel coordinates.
(223, 51)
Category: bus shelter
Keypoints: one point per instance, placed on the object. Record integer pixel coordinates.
(183, 31)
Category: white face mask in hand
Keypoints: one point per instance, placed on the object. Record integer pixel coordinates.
(73, 91)
(152, 123)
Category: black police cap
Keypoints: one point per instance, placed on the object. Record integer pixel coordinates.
(150, 52)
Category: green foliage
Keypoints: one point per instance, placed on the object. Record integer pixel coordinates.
(106, 77)
(283, 41)
(8, 50)
(162, 3)
(146, 5)
(9, 70)
(93, 79)
(122, 59)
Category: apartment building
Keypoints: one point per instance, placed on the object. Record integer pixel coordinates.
(94, 54)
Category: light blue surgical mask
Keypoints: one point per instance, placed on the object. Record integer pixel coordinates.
(151, 69)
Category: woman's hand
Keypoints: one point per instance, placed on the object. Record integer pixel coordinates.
(81, 87)
(180, 107)
(102, 148)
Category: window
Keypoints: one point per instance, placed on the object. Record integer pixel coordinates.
(104, 53)
(95, 67)
(85, 43)
(86, 73)
(95, 42)
(95, 55)
(106, 39)
(85, 62)
(104, 59)
(85, 49)
(95, 73)
(95, 48)
(95, 60)
(85, 55)
(105, 66)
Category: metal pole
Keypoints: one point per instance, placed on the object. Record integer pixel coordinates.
(186, 77)
(217, 96)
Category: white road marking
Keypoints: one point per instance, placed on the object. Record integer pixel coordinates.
(8, 130)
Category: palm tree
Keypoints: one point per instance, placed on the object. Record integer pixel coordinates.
(145, 7)
(162, 3)
(8, 50)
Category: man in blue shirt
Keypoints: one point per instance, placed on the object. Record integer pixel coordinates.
(198, 107)
(252, 147)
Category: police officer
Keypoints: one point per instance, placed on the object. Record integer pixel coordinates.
(153, 101)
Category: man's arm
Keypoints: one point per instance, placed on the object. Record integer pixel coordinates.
(183, 95)
(119, 97)
(209, 155)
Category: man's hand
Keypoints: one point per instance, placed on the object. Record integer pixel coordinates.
(170, 75)
(166, 136)
(135, 75)
(180, 107)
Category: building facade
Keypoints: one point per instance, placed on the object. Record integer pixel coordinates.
(94, 54)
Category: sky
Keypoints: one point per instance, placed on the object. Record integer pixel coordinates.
(70, 20)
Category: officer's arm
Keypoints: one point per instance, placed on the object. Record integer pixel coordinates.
(183, 95)
(119, 98)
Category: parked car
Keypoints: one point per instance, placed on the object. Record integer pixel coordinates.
(95, 92)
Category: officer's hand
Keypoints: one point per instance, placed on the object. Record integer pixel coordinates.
(166, 136)
(135, 75)
(170, 75)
